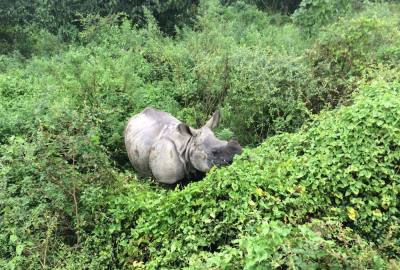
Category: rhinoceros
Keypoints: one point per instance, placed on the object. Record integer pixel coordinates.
(162, 147)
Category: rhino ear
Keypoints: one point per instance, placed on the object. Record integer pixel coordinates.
(214, 120)
(184, 129)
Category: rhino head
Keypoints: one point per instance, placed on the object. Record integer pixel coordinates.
(204, 150)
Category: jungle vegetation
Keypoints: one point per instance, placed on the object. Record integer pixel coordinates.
(311, 88)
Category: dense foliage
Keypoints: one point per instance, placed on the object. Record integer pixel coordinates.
(314, 96)
(344, 166)
(285, 6)
(62, 17)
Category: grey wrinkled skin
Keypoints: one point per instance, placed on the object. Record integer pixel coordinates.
(161, 146)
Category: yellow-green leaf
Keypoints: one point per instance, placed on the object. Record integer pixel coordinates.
(259, 192)
(377, 213)
(351, 213)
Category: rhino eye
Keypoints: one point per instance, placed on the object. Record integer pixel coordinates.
(216, 152)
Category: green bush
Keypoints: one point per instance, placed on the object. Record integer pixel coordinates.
(286, 6)
(315, 245)
(227, 66)
(63, 18)
(348, 50)
(268, 94)
(104, 77)
(16, 38)
(312, 14)
(42, 181)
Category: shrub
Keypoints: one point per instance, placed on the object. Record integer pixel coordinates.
(346, 51)
(317, 244)
(311, 14)
(215, 69)
(63, 18)
(286, 6)
(42, 182)
(16, 38)
(268, 94)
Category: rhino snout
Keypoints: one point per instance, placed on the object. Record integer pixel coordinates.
(224, 155)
